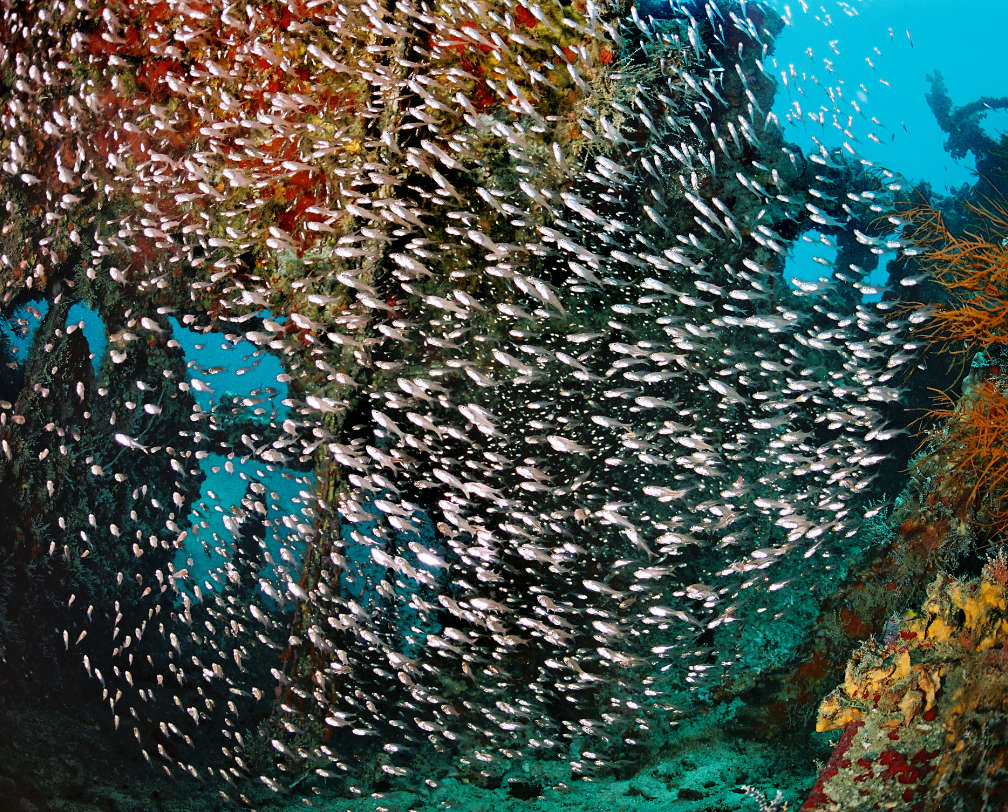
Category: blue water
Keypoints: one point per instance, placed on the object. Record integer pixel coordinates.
(877, 54)
(247, 371)
(217, 367)
(904, 41)
(852, 76)
(207, 546)
(808, 252)
(862, 67)
(19, 329)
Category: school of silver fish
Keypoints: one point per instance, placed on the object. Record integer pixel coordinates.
(554, 415)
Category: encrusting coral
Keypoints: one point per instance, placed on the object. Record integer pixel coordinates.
(910, 707)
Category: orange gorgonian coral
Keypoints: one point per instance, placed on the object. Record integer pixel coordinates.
(973, 269)
(972, 438)
(971, 434)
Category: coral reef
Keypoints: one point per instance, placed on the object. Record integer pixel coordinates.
(922, 711)
(922, 706)
(970, 434)
(972, 268)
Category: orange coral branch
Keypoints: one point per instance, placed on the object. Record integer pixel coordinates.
(971, 435)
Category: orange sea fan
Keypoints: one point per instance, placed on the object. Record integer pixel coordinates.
(973, 269)
(970, 434)
(971, 437)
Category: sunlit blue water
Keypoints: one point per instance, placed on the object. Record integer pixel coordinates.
(852, 77)
(218, 367)
(859, 60)
(877, 54)
(19, 329)
(208, 544)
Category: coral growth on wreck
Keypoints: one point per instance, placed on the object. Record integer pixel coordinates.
(922, 710)
(921, 707)
(972, 267)
(970, 434)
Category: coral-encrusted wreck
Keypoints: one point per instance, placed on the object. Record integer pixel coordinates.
(923, 706)
(922, 712)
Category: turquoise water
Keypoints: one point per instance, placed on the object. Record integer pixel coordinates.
(863, 67)
(884, 51)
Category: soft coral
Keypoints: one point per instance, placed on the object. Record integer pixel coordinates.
(972, 439)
